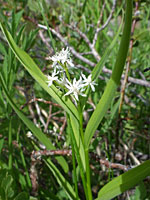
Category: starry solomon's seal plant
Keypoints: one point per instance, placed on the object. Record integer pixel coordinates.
(72, 93)
(61, 76)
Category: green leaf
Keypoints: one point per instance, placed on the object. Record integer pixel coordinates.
(17, 18)
(79, 151)
(114, 81)
(37, 74)
(7, 181)
(1, 144)
(2, 194)
(77, 138)
(2, 49)
(8, 186)
(98, 68)
(124, 182)
(36, 131)
(40, 4)
(33, 6)
(22, 195)
(60, 179)
(140, 192)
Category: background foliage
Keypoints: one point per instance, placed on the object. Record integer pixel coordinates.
(122, 138)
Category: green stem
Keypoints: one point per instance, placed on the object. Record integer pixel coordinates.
(10, 145)
(73, 161)
(67, 72)
(74, 170)
(81, 121)
(82, 171)
(23, 159)
(88, 174)
(88, 178)
(64, 66)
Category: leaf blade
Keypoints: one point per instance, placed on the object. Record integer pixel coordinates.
(124, 182)
(36, 131)
(37, 74)
(112, 84)
(98, 68)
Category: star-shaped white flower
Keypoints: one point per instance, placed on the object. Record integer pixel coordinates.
(52, 78)
(76, 88)
(88, 82)
(62, 57)
(62, 80)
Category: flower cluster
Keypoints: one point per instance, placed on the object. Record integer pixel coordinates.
(61, 76)
(62, 58)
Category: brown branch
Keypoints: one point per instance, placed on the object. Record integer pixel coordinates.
(46, 42)
(108, 164)
(40, 100)
(63, 126)
(49, 118)
(38, 154)
(106, 23)
(35, 159)
(109, 18)
(83, 35)
(126, 148)
(39, 113)
(73, 51)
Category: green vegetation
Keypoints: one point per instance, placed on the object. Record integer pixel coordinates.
(74, 100)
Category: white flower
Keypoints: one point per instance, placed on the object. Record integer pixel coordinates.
(62, 81)
(76, 88)
(88, 81)
(29, 134)
(62, 57)
(52, 78)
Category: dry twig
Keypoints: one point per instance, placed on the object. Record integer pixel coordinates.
(106, 23)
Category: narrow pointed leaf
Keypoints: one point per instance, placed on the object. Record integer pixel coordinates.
(124, 182)
(80, 148)
(99, 66)
(114, 81)
(36, 131)
(60, 178)
(37, 74)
